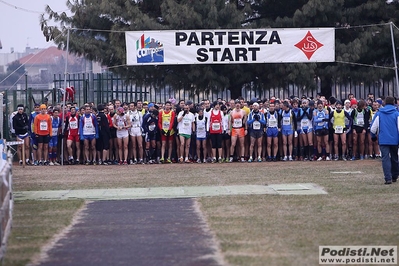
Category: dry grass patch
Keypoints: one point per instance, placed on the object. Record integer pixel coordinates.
(258, 229)
(34, 224)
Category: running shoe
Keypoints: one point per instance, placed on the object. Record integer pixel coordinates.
(290, 158)
(198, 160)
(45, 163)
(168, 161)
(285, 158)
(320, 159)
(328, 158)
(20, 162)
(231, 160)
(242, 159)
(51, 163)
(220, 160)
(181, 160)
(94, 162)
(250, 160)
(36, 163)
(141, 161)
(259, 160)
(124, 162)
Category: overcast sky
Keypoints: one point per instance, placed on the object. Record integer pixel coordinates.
(20, 23)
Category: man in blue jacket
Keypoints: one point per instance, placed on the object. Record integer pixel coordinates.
(385, 124)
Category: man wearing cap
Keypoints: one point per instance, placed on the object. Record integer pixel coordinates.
(20, 124)
(43, 129)
(385, 124)
(33, 140)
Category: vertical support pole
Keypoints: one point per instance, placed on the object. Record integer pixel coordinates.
(394, 58)
(64, 99)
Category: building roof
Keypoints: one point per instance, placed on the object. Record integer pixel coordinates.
(48, 56)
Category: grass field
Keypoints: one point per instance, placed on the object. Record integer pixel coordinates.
(251, 230)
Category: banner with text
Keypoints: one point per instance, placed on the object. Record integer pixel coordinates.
(230, 46)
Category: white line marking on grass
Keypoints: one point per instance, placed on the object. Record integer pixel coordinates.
(349, 172)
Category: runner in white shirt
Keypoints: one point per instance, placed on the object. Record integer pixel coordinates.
(136, 138)
(207, 114)
(185, 120)
(122, 123)
(200, 126)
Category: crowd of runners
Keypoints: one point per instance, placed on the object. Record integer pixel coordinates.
(294, 129)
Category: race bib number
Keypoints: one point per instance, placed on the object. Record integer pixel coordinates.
(304, 123)
(43, 125)
(320, 124)
(360, 121)
(201, 128)
(339, 129)
(256, 125)
(215, 126)
(151, 127)
(119, 124)
(237, 122)
(165, 125)
(272, 123)
(73, 125)
(286, 121)
(55, 132)
(88, 127)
